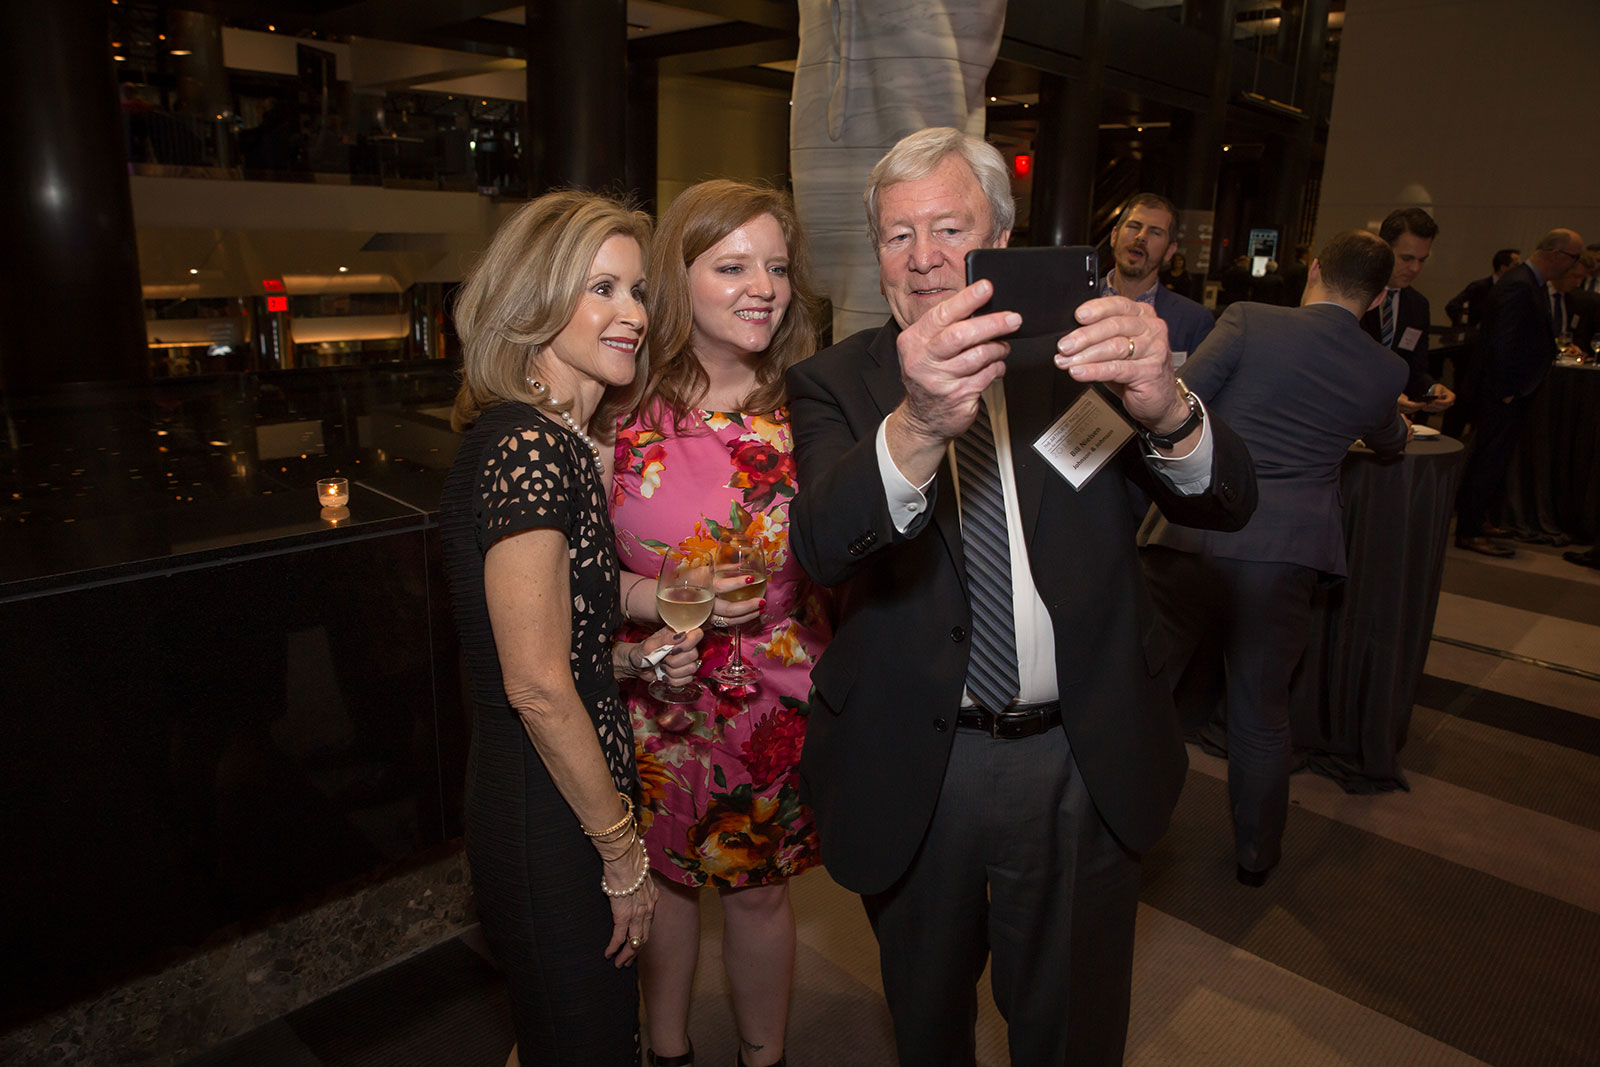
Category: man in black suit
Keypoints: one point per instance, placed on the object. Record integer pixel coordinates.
(1400, 321)
(991, 745)
(1470, 306)
(1521, 343)
(1294, 276)
(1472, 302)
(1582, 305)
(1299, 385)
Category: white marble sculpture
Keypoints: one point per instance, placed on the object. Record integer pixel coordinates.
(870, 72)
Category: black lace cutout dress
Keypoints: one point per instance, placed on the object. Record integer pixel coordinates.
(536, 877)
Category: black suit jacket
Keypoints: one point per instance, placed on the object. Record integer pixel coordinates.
(1520, 343)
(1412, 314)
(886, 690)
(1470, 303)
(1299, 385)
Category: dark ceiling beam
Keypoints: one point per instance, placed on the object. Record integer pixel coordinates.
(760, 77)
(748, 55)
(705, 39)
(768, 13)
(393, 19)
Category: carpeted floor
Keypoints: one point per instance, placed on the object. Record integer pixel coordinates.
(1458, 923)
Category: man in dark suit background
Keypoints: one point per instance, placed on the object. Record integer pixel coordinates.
(1299, 385)
(1400, 321)
(1583, 305)
(1294, 276)
(990, 745)
(1520, 345)
(1142, 242)
(1470, 306)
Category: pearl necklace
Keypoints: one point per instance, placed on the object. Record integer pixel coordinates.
(572, 423)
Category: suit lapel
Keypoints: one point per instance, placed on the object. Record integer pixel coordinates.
(887, 390)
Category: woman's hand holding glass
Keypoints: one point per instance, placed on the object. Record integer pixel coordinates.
(681, 665)
(729, 613)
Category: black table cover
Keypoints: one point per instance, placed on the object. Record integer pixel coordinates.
(1350, 700)
(1553, 485)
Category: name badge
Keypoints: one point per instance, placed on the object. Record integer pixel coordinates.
(1409, 339)
(1086, 435)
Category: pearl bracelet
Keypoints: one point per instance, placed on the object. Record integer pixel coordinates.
(644, 872)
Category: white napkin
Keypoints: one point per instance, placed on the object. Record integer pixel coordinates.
(653, 659)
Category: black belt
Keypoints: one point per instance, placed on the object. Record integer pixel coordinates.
(1012, 723)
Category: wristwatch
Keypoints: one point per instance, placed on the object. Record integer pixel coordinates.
(1197, 415)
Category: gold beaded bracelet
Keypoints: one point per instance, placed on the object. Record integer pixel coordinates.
(619, 825)
(644, 872)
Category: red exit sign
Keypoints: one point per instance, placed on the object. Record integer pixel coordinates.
(272, 285)
(277, 303)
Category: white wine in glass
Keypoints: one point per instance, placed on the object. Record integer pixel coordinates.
(739, 557)
(683, 596)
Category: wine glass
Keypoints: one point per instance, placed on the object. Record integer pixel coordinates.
(1594, 347)
(683, 596)
(740, 557)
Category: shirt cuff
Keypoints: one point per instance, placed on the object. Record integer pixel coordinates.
(906, 501)
(1190, 473)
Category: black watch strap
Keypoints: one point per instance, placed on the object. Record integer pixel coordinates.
(1183, 429)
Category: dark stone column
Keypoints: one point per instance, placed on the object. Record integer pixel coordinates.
(1284, 184)
(1066, 151)
(577, 94)
(72, 311)
(644, 92)
(1198, 136)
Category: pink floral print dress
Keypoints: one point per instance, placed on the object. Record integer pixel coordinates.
(721, 802)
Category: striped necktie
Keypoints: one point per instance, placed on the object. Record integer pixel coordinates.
(1386, 317)
(992, 668)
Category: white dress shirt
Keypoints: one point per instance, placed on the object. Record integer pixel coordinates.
(1189, 474)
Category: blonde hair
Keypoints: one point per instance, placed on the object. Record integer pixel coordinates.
(524, 290)
(701, 216)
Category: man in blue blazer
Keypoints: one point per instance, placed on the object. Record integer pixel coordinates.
(1299, 385)
(1142, 242)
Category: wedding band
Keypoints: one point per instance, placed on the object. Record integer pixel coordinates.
(635, 941)
(1130, 348)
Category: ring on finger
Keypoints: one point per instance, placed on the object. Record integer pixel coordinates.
(635, 941)
(1130, 349)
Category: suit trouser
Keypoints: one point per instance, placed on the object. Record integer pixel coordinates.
(1495, 442)
(1016, 862)
(1262, 612)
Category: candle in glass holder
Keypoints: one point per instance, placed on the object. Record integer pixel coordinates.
(333, 492)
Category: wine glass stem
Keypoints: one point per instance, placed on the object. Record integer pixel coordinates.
(738, 649)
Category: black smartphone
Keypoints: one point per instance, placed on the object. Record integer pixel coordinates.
(1043, 285)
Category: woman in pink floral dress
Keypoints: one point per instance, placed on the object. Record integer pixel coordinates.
(709, 449)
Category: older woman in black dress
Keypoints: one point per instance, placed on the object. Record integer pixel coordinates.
(552, 321)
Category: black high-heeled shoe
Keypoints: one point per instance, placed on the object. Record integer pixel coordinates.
(685, 1059)
(739, 1057)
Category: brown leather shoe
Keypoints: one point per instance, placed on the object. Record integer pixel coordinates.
(1484, 546)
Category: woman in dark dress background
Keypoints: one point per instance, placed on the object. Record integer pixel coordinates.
(552, 322)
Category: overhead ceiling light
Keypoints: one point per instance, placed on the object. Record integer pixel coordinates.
(271, 28)
(194, 270)
(182, 52)
(994, 99)
(161, 37)
(344, 270)
(120, 59)
(1226, 147)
